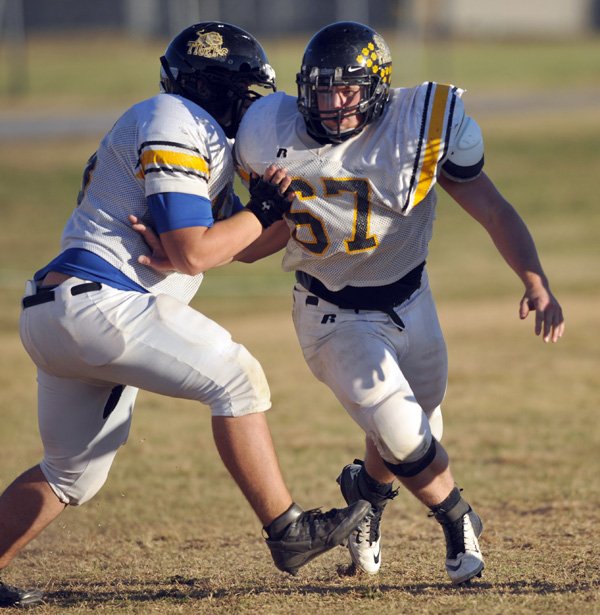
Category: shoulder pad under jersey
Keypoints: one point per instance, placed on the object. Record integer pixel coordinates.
(464, 160)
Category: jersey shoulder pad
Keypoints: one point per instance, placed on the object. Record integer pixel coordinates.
(465, 158)
(171, 118)
(263, 111)
(254, 122)
(259, 127)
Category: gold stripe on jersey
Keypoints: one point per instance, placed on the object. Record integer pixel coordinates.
(244, 175)
(433, 144)
(153, 160)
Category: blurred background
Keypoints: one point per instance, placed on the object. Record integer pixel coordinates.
(112, 46)
(144, 18)
(531, 69)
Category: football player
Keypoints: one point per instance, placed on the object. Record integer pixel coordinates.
(99, 325)
(365, 161)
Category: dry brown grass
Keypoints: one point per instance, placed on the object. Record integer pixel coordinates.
(170, 533)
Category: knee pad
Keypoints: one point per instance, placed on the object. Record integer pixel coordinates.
(243, 388)
(399, 428)
(436, 423)
(412, 468)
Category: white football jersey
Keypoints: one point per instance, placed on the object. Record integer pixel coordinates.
(163, 144)
(365, 208)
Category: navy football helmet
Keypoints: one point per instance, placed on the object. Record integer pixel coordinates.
(344, 54)
(213, 64)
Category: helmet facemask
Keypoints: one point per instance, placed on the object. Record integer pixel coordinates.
(242, 92)
(343, 55)
(373, 94)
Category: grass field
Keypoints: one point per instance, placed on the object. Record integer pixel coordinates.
(170, 533)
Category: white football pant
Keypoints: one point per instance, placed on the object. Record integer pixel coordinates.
(391, 382)
(88, 346)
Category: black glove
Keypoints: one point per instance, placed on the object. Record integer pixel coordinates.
(266, 202)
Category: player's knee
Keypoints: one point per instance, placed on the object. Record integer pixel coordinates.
(406, 455)
(436, 423)
(247, 390)
(400, 430)
(412, 467)
(73, 487)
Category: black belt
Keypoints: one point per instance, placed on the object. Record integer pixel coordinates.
(45, 296)
(381, 298)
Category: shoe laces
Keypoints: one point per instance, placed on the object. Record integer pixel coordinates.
(460, 536)
(370, 526)
(470, 537)
(455, 535)
(371, 523)
(315, 517)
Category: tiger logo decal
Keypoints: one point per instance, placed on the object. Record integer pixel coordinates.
(207, 45)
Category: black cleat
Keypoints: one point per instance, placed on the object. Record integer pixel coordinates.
(313, 532)
(19, 598)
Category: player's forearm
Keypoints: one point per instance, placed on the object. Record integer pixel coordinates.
(206, 248)
(482, 200)
(271, 241)
(516, 245)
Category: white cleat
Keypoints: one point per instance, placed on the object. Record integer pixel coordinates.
(364, 543)
(463, 556)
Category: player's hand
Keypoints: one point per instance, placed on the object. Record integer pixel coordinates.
(270, 195)
(280, 178)
(158, 260)
(549, 321)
